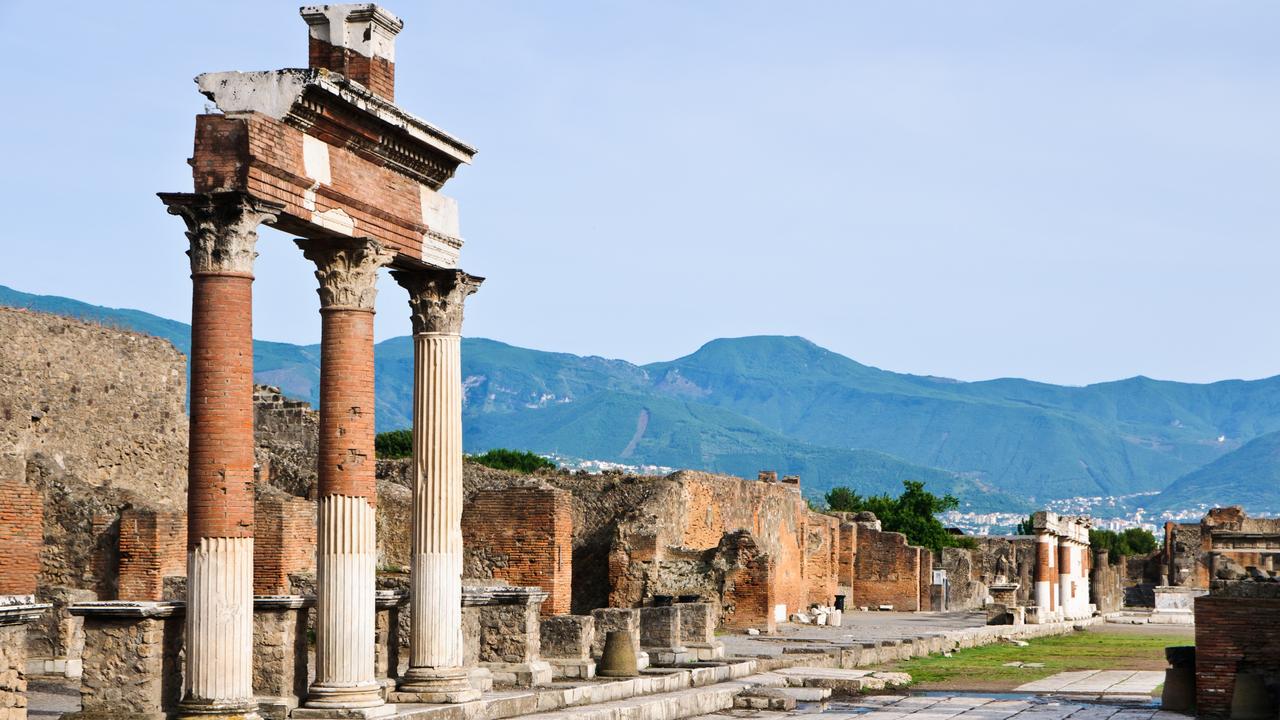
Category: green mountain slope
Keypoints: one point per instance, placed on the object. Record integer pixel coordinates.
(1249, 476)
(738, 405)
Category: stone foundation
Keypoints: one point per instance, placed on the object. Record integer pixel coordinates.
(280, 653)
(660, 636)
(132, 665)
(566, 644)
(698, 631)
(508, 638)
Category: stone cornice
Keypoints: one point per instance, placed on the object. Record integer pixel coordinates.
(304, 98)
(347, 270)
(222, 229)
(437, 297)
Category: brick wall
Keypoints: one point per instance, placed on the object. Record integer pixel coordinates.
(152, 546)
(822, 554)
(285, 543)
(523, 536)
(887, 571)
(749, 597)
(1233, 634)
(21, 536)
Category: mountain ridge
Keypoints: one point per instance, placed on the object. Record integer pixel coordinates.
(783, 402)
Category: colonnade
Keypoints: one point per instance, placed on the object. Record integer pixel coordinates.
(222, 230)
(1062, 567)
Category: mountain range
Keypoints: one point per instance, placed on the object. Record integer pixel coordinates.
(744, 404)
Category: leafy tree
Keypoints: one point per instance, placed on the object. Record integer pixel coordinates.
(394, 444)
(1026, 527)
(914, 513)
(1134, 542)
(517, 460)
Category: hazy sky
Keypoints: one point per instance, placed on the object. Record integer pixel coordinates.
(1066, 191)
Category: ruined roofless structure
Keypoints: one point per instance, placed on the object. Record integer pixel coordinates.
(324, 153)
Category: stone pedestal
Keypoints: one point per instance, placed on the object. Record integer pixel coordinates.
(660, 636)
(510, 638)
(618, 619)
(280, 653)
(131, 659)
(566, 644)
(1175, 605)
(436, 672)
(15, 612)
(389, 604)
(698, 631)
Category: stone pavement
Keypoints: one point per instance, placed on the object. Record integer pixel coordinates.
(1098, 683)
(956, 707)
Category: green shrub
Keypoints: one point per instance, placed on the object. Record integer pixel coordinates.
(517, 460)
(394, 444)
(914, 513)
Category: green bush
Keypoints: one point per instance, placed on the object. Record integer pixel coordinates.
(394, 444)
(1134, 542)
(914, 513)
(516, 460)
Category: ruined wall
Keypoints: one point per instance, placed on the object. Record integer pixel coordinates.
(523, 536)
(1183, 556)
(1107, 583)
(887, 570)
(1237, 630)
(284, 542)
(94, 419)
(287, 437)
(21, 536)
(152, 546)
(964, 590)
(1007, 558)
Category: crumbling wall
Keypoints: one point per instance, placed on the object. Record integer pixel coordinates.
(1107, 583)
(1007, 559)
(1237, 631)
(964, 590)
(94, 419)
(888, 570)
(152, 546)
(1183, 556)
(523, 536)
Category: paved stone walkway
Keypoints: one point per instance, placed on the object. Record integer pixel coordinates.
(1100, 683)
(955, 707)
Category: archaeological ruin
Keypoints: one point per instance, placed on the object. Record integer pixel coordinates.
(180, 542)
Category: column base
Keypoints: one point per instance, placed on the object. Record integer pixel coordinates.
(361, 697)
(435, 685)
(213, 711)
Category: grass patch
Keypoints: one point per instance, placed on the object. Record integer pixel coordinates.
(983, 668)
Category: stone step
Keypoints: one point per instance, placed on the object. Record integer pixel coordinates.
(666, 706)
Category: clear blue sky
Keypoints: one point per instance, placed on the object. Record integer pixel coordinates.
(1066, 191)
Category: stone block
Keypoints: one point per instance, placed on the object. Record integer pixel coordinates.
(132, 660)
(572, 669)
(660, 630)
(607, 619)
(279, 653)
(568, 637)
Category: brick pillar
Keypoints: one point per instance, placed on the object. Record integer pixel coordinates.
(1045, 580)
(436, 668)
(222, 229)
(347, 554)
(356, 40)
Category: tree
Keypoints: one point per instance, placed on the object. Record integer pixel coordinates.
(1026, 527)
(1134, 542)
(394, 444)
(914, 513)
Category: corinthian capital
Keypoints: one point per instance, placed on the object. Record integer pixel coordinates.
(436, 297)
(222, 228)
(347, 270)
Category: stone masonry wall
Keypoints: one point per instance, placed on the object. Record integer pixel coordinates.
(94, 419)
(523, 536)
(13, 679)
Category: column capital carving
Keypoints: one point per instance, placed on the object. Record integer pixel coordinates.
(222, 228)
(347, 270)
(436, 297)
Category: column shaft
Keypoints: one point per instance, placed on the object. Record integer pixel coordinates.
(222, 230)
(1044, 574)
(436, 672)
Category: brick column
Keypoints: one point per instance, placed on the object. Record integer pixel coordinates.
(1045, 578)
(346, 559)
(436, 672)
(222, 228)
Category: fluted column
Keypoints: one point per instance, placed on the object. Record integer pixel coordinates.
(436, 672)
(222, 229)
(346, 684)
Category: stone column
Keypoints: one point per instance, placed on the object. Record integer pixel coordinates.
(436, 670)
(346, 559)
(222, 228)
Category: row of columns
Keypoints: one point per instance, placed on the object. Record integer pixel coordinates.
(222, 229)
(1062, 576)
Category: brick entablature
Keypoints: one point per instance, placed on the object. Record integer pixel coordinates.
(522, 536)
